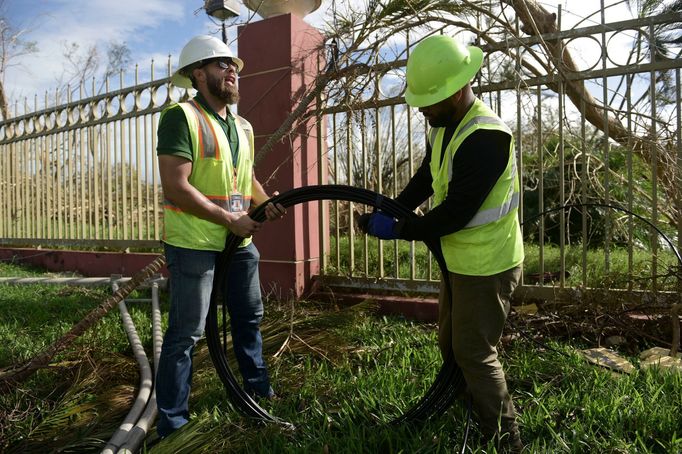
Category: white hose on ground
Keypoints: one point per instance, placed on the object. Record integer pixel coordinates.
(80, 281)
(127, 435)
(121, 435)
(139, 432)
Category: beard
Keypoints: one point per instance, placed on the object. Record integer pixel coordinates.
(440, 121)
(443, 114)
(218, 88)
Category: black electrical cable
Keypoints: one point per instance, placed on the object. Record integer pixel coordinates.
(448, 383)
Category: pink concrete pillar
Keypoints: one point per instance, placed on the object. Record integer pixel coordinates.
(281, 62)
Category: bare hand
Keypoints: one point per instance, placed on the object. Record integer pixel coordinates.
(274, 212)
(242, 225)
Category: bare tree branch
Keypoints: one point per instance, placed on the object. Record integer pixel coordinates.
(537, 21)
(13, 375)
(12, 46)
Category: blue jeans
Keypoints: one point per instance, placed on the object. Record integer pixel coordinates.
(191, 280)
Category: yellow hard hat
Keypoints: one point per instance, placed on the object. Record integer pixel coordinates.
(202, 47)
(437, 68)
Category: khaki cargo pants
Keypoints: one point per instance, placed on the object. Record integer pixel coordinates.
(471, 325)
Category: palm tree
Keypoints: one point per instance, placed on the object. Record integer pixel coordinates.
(666, 36)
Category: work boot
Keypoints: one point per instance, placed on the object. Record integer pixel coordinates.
(268, 395)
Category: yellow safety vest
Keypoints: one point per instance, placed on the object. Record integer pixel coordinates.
(491, 242)
(214, 175)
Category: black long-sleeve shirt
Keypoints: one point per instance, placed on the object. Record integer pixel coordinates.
(476, 167)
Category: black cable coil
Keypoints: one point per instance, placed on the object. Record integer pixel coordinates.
(448, 383)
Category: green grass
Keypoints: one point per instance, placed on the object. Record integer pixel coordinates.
(567, 405)
(87, 390)
(621, 273)
(342, 377)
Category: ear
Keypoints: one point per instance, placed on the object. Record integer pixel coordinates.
(198, 75)
(457, 96)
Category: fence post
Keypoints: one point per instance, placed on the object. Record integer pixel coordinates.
(280, 65)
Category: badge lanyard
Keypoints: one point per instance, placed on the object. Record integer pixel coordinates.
(236, 198)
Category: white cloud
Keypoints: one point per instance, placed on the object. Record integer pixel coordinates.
(157, 28)
(92, 23)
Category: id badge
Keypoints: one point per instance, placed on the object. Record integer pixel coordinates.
(236, 202)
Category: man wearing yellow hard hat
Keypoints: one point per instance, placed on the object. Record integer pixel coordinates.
(470, 169)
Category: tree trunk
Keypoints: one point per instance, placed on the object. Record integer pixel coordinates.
(4, 107)
(537, 21)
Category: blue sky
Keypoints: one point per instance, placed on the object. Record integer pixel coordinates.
(152, 29)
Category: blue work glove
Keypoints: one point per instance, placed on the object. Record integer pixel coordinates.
(379, 225)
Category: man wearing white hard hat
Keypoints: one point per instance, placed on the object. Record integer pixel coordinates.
(470, 170)
(206, 167)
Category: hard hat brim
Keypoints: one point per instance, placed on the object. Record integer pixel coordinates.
(453, 84)
(180, 80)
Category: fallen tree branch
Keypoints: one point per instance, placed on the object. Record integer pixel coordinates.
(15, 374)
(537, 21)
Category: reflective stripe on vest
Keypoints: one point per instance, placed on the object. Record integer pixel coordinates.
(222, 201)
(493, 214)
(492, 241)
(512, 200)
(208, 142)
(213, 176)
(209, 146)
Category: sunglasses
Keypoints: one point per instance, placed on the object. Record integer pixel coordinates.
(223, 64)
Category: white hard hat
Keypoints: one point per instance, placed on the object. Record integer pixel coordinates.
(202, 47)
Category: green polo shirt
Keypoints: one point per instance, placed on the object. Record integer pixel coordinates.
(173, 132)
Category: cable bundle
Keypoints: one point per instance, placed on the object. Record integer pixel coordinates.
(449, 381)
